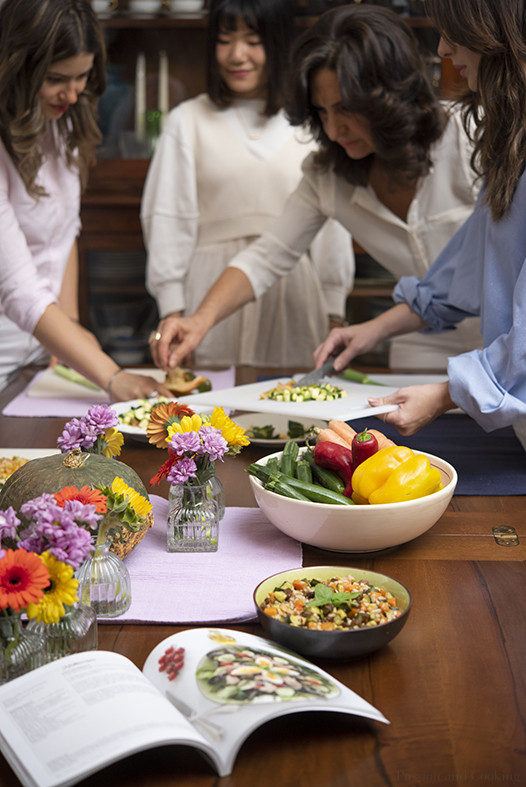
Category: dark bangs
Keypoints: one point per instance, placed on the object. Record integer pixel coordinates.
(273, 21)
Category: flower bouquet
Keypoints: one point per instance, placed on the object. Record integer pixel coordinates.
(40, 550)
(196, 498)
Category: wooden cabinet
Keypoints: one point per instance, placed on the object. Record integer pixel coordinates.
(111, 231)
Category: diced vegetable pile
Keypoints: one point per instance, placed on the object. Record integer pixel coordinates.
(327, 605)
(289, 392)
(139, 414)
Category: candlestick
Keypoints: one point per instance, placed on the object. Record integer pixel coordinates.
(164, 89)
(140, 96)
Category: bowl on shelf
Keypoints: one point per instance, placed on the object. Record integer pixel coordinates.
(338, 643)
(359, 528)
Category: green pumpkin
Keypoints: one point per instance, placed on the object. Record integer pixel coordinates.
(52, 473)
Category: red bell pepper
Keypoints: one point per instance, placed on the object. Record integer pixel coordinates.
(364, 445)
(338, 459)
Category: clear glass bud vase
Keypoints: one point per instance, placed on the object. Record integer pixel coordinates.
(193, 517)
(21, 650)
(104, 583)
(76, 631)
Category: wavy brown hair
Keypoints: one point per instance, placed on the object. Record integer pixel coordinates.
(34, 34)
(496, 29)
(382, 77)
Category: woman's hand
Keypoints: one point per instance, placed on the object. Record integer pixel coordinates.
(346, 343)
(418, 405)
(175, 339)
(128, 385)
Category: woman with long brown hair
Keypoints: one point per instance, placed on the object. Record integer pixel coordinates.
(483, 269)
(52, 73)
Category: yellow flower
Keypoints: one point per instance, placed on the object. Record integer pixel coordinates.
(113, 441)
(189, 423)
(62, 590)
(233, 434)
(140, 504)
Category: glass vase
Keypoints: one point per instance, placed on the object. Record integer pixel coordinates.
(76, 631)
(21, 650)
(193, 517)
(104, 583)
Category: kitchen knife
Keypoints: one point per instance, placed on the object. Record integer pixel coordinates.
(315, 376)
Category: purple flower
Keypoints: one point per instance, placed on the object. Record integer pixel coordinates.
(72, 436)
(101, 417)
(183, 442)
(82, 433)
(61, 531)
(182, 470)
(8, 523)
(214, 444)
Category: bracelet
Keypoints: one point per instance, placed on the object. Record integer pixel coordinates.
(112, 378)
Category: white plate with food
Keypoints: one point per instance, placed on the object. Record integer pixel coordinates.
(134, 415)
(274, 430)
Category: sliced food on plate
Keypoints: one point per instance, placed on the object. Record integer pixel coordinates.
(291, 392)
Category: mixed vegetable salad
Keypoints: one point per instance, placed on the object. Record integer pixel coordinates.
(327, 605)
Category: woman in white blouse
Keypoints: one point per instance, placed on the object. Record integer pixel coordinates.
(51, 74)
(222, 171)
(393, 168)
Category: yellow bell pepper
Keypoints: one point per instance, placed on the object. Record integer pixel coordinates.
(376, 469)
(397, 475)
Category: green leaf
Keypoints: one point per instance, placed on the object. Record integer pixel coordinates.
(323, 594)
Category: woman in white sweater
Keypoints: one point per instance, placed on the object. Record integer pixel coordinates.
(222, 171)
(393, 168)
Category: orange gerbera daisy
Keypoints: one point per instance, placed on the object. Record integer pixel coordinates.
(85, 495)
(160, 419)
(23, 577)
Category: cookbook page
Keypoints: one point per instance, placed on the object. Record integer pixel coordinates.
(74, 716)
(228, 683)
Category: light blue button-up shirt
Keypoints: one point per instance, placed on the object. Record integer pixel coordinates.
(482, 270)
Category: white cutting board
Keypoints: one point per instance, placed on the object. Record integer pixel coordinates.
(247, 397)
(354, 405)
(50, 385)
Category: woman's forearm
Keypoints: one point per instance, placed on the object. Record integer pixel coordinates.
(74, 346)
(230, 292)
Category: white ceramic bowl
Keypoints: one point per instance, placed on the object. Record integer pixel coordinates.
(360, 528)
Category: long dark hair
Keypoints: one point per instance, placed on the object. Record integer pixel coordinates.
(273, 21)
(381, 76)
(33, 35)
(496, 29)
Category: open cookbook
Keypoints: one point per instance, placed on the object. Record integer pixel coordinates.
(207, 687)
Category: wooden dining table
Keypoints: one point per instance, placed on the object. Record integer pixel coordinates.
(452, 683)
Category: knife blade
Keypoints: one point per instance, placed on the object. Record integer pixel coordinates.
(311, 378)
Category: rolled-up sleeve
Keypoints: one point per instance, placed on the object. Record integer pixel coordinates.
(482, 270)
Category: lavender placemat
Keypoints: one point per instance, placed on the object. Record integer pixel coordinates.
(201, 587)
(70, 400)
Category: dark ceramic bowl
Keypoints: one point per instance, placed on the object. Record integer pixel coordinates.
(337, 644)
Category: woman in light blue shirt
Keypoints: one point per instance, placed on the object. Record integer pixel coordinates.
(482, 270)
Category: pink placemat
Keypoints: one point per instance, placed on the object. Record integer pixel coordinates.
(206, 587)
(61, 398)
